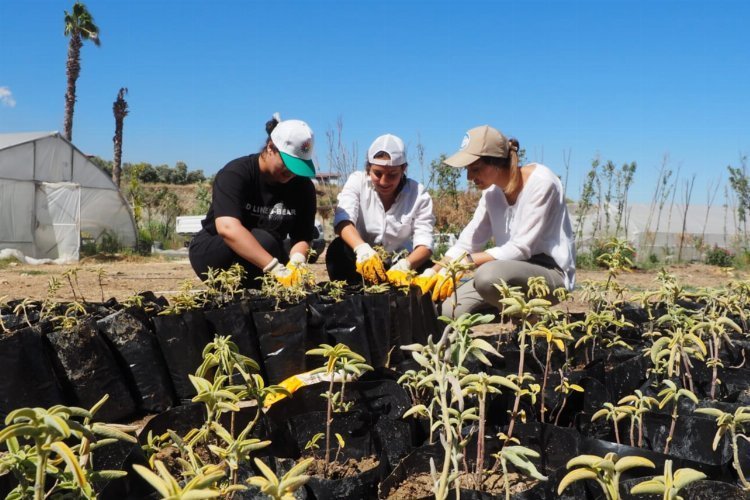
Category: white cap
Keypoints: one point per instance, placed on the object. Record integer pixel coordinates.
(390, 144)
(294, 139)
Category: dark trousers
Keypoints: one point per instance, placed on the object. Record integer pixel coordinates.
(341, 263)
(207, 250)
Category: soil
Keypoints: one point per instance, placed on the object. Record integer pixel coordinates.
(341, 470)
(125, 275)
(420, 485)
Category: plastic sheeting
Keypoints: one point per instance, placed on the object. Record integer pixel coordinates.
(51, 195)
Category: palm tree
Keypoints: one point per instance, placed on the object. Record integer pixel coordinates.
(79, 26)
(120, 110)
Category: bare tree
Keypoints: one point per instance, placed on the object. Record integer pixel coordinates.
(341, 159)
(120, 110)
(566, 163)
(688, 194)
(711, 196)
(420, 157)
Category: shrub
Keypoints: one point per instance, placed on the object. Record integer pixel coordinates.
(718, 256)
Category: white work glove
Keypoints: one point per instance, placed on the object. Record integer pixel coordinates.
(369, 264)
(296, 260)
(282, 273)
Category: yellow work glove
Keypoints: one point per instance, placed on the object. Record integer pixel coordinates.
(444, 285)
(400, 273)
(283, 274)
(426, 280)
(369, 264)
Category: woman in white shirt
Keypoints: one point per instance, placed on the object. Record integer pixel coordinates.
(381, 206)
(523, 209)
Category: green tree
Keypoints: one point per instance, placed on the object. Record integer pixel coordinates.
(120, 110)
(445, 178)
(738, 179)
(79, 26)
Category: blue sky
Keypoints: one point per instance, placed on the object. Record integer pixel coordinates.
(621, 80)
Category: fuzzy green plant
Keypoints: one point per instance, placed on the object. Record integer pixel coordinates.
(672, 394)
(284, 488)
(614, 414)
(735, 425)
(640, 404)
(58, 442)
(480, 385)
(341, 361)
(520, 457)
(203, 485)
(669, 484)
(517, 306)
(606, 471)
(718, 329)
(555, 338)
(565, 388)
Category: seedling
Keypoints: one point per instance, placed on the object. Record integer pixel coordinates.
(284, 488)
(554, 337)
(519, 457)
(345, 363)
(565, 388)
(605, 471)
(614, 414)
(481, 385)
(669, 484)
(40, 441)
(672, 394)
(641, 405)
(201, 486)
(735, 425)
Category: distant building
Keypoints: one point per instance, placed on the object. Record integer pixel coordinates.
(326, 179)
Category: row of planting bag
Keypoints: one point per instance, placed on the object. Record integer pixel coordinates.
(142, 360)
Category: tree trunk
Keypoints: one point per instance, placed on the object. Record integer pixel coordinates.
(73, 70)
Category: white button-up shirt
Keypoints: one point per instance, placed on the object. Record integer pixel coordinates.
(407, 224)
(538, 223)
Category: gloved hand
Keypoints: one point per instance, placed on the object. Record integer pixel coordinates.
(296, 261)
(400, 273)
(426, 280)
(444, 285)
(283, 274)
(369, 264)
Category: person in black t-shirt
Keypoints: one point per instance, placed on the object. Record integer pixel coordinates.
(259, 200)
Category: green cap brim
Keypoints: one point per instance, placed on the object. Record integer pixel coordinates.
(298, 166)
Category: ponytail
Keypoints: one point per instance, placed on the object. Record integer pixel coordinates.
(515, 172)
(270, 125)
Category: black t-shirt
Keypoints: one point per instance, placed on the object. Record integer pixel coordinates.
(239, 191)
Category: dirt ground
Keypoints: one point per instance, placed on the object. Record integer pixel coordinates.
(122, 277)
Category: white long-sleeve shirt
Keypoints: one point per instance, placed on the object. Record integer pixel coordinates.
(538, 223)
(407, 224)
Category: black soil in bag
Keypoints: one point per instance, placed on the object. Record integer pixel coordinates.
(26, 374)
(235, 320)
(344, 324)
(89, 371)
(182, 338)
(421, 324)
(281, 336)
(377, 320)
(137, 350)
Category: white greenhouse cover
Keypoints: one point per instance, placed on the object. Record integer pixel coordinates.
(51, 196)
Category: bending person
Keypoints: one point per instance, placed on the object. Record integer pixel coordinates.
(259, 200)
(381, 206)
(523, 210)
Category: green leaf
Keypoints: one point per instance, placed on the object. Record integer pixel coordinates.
(685, 476)
(71, 461)
(573, 476)
(158, 483)
(630, 462)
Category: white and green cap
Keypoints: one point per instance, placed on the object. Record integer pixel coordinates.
(295, 140)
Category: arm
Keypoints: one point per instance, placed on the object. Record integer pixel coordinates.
(424, 227)
(346, 230)
(242, 241)
(474, 236)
